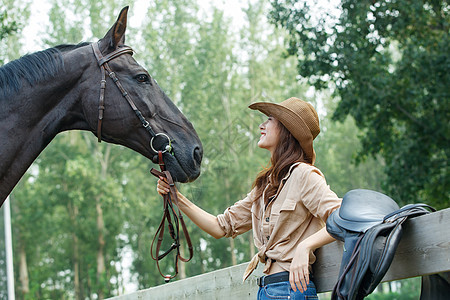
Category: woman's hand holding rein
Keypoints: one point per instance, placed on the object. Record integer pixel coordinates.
(162, 186)
(201, 218)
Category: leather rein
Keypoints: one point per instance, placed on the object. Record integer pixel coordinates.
(169, 199)
(170, 212)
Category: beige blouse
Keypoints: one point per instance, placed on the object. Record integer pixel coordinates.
(299, 209)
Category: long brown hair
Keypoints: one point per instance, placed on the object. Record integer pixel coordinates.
(287, 152)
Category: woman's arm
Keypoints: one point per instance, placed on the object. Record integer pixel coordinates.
(299, 271)
(207, 222)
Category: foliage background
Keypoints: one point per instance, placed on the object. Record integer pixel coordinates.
(388, 63)
(85, 213)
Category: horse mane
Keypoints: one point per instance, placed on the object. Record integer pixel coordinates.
(33, 68)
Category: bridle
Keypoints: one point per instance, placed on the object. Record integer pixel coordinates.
(169, 199)
(106, 69)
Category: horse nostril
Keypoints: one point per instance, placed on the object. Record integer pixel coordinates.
(198, 154)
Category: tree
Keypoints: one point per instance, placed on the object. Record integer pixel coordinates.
(56, 222)
(6, 27)
(337, 146)
(13, 17)
(388, 62)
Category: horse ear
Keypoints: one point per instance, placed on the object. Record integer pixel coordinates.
(116, 35)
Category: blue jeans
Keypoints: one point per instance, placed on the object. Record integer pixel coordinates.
(283, 290)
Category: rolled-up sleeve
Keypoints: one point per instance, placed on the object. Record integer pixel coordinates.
(237, 219)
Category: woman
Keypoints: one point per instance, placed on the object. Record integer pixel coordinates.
(287, 207)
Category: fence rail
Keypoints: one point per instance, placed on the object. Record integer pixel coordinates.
(423, 250)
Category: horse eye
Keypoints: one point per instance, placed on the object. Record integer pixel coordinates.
(142, 78)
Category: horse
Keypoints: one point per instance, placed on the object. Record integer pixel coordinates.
(95, 87)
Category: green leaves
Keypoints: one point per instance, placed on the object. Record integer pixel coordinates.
(386, 60)
(7, 26)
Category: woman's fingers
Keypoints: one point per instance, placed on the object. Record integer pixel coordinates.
(304, 280)
(162, 187)
(292, 280)
(306, 276)
(299, 279)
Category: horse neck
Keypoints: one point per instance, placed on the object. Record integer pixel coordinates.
(33, 117)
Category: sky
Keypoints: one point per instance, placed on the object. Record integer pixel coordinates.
(39, 17)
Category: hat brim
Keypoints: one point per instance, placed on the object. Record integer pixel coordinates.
(293, 122)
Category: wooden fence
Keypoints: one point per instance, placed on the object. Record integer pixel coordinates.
(423, 250)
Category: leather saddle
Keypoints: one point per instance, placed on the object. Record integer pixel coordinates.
(370, 225)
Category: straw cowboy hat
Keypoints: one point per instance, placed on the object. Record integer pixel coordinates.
(298, 116)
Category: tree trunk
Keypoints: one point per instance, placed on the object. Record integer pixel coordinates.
(231, 240)
(201, 261)
(73, 213)
(23, 270)
(250, 176)
(23, 266)
(76, 267)
(182, 265)
(101, 270)
(101, 247)
(233, 253)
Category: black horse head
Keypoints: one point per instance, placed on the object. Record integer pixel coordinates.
(59, 89)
